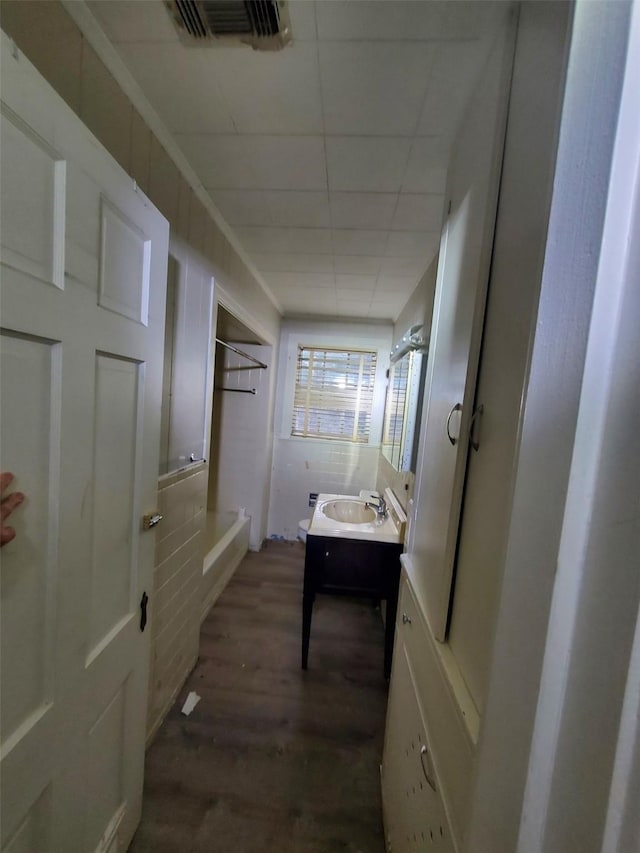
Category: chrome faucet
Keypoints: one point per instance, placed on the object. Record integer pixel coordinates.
(380, 508)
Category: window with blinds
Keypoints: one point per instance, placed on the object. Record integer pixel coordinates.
(334, 394)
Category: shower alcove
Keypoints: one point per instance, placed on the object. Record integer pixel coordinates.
(240, 456)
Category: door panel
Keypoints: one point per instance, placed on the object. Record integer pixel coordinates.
(105, 770)
(115, 533)
(32, 435)
(461, 286)
(32, 189)
(83, 290)
(32, 835)
(124, 265)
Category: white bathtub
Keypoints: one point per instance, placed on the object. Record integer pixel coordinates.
(226, 543)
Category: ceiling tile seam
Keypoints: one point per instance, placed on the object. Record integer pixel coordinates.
(317, 191)
(395, 40)
(435, 41)
(91, 29)
(295, 134)
(270, 190)
(427, 89)
(324, 150)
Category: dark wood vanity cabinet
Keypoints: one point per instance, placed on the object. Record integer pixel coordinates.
(355, 567)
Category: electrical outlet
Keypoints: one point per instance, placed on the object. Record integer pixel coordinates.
(313, 497)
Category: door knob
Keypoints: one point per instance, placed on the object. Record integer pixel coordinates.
(150, 520)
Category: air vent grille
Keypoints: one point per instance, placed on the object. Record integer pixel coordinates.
(261, 23)
(190, 17)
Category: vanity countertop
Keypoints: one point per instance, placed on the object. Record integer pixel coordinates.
(389, 529)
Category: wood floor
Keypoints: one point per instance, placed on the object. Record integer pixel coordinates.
(273, 759)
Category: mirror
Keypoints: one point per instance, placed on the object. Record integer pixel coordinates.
(402, 411)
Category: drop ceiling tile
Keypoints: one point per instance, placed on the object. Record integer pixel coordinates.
(288, 162)
(403, 19)
(402, 266)
(307, 241)
(355, 282)
(361, 296)
(375, 88)
(357, 242)
(366, 163)
(293, 263)
(179, 84)
(362, 210)
(301, 281)
(302, 14)
(221, 162)
(243, 207)
(455, 73)
(356, 264)
(418, 212)
(256, 162)
(355, 308)
(271, 207)
(407, 19)
(400, 283)
(310, 296)
(271, 91)
(412, 244)
(426, 170)
(384, 312)
(300, 209)
(390, 301)
(134, 21)
(305, 305)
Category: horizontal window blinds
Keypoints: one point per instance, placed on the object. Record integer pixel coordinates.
(334, 394)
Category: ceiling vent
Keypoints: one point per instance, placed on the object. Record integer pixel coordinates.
(263, 24)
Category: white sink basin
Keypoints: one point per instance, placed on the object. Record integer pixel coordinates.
(349, 511)
(349, 517)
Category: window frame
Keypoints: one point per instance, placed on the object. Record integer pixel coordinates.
(370, 392)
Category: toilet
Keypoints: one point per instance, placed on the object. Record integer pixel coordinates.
(303, 529)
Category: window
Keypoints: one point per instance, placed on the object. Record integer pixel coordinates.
(334, 394)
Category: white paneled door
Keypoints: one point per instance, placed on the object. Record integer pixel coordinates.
(83, 263)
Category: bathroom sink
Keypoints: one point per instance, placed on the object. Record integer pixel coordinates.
(349, 511)
(349, 517)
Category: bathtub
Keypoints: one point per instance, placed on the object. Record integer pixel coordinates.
(226, 543)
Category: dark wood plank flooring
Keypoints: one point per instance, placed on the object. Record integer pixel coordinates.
(273, 759)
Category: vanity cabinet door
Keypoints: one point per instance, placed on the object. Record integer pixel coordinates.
(354, 566)
(414, 816)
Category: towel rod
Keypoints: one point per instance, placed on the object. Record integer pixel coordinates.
(260, 364)
(236, 390)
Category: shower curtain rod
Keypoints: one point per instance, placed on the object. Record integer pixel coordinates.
(243, 354)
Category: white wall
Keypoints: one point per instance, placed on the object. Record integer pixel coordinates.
(581, 739)
(240, 458)
(304, 465)
(419, 306)
(549, 409)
